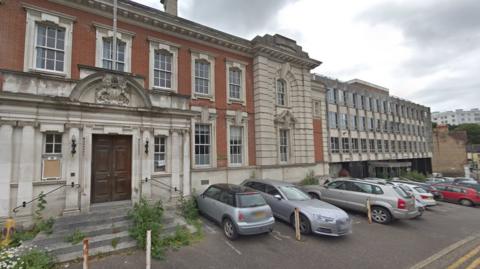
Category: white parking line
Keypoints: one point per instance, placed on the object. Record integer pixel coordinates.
(276, 237)
(281, 235)
(232, 247)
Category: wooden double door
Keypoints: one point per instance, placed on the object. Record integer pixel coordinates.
(111, 168)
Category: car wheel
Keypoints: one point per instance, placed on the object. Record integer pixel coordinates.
(381, 215)
(466, 202)
(305, 227)
(229, 229)
(314, 195)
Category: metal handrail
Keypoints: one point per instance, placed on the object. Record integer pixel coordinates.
(164, 184)
(24, 203)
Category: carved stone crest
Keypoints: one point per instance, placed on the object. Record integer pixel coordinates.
(113, 91)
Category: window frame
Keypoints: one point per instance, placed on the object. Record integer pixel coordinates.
(285, 146)
(282, 93)
(210, 145)
(165, 152)
(104, 31)
(234, 64)
(200, 56)
(242, 146)
(160, 45)
(111, 60)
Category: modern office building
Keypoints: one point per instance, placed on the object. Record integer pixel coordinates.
(371, 133)
(459, 116)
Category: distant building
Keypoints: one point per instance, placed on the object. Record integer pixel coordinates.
(371, 133)
(449, 151)
(473, 156)
(457, 117)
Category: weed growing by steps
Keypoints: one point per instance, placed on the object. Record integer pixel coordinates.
(309, 179)
(189, 210)
(76, 237)
(114, 243)
(21, 257)
(147, 217)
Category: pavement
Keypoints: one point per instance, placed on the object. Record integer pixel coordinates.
(446, 236)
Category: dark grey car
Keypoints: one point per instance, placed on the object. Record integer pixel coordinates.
(315, 216)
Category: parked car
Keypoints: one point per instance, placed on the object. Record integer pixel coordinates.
(427, 187)
(387, 201)
(240, 210)
(419, 193)
(434, 180)
(315, 216)
(475, 186)
(465, 180)
(458, 194)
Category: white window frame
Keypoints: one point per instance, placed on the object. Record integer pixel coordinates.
(334, 145)
(198, 56)
(44, 151)
(102, 32)
(285, 92)
(46, 156)
(244, 146)
(229, 64)
(160, 45)
(288, 145)
(35, 16)
(213, 139)
(113, 62)
(204, 144)
(164, 152)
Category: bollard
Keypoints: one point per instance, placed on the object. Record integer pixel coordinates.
(297, 224)
(369, 211)
(149, 249)
(85, 253)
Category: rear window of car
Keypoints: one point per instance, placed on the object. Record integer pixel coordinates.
(420, 190)
(250, 200)
(401, 192)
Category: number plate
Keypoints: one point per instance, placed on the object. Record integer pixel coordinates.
(259, 214)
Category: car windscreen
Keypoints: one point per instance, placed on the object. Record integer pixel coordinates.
(250, 200)
(420, 189)
(401, 192)
(293, 193)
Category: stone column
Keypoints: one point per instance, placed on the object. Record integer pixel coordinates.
(73, 163)
(6, 162)
(186, 188)
(85, 168)
(147, 161)
(176, 146)
(25, 178)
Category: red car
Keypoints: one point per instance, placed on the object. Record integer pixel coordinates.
(458, 194)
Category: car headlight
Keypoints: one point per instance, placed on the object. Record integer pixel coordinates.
(324, 218)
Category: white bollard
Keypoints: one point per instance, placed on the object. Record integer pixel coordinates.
(149, 249)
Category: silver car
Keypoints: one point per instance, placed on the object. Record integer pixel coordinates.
(387, 201)
(240, 210)
(315, 216)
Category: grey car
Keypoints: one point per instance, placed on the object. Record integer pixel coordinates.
(315, 216)
(240, 210)
(387, 201)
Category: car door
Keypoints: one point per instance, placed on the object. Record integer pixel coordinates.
(280, 207)
(207, 201)
(449, 194)
(224, 205)
(335, 193)
(357, 196)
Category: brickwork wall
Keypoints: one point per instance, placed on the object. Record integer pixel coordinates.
(449, 151)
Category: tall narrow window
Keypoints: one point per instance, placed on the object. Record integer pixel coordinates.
(387, 146)
(107, 57)
(355, 144)
(332, 119)
(202, 77)
(236, 145)
(202, 144)
(281, 93)
(50, 48)
(379, 145)
(162, 69)
(159, 153)
(53, 143)
(334, 145)
(234, 83)
(371, 145)
(284, 137)
(345, 145)
(343, 121)
(363, 143)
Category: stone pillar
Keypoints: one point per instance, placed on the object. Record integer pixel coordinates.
(6, 162)
(186, 188)
(176, 146)
(73, 163)
(85, 164)
(25, 178)
(147, 161)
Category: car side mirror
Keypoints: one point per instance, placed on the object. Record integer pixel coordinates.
(278, 196)
(325, 186)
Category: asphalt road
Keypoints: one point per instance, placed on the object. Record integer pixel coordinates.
(401, 244)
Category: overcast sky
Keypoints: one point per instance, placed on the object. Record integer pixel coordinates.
(427, 51)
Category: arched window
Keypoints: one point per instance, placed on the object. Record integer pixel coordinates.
(281, 93)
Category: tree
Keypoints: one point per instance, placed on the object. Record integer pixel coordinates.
(473, 132)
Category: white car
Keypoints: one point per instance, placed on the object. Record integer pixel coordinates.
(420, 194)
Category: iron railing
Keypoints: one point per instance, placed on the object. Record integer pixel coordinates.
(42, 195)
(165, 185)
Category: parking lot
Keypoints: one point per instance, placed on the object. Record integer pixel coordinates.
(401, 244)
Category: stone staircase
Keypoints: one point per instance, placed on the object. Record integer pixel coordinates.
(106, 226)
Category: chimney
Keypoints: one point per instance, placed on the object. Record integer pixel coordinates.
(170, 6)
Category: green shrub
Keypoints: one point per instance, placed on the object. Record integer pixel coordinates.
(76, 237)
(415, 176)
(188, 208)
(36, 259)
(309, 179)
(182, 237)
(147, 217)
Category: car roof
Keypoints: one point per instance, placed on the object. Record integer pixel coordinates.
(233, 189)
(271, 182)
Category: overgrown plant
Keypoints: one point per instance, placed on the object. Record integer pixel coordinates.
(147, 217)
(415, 176)
(76, 237)
(188, 208)
(309, 179)
(21, 257)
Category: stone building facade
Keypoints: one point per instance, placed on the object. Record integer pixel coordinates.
(449, 151)
(179, 107)
(371, 133)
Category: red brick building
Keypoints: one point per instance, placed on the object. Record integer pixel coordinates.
(180, 106)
